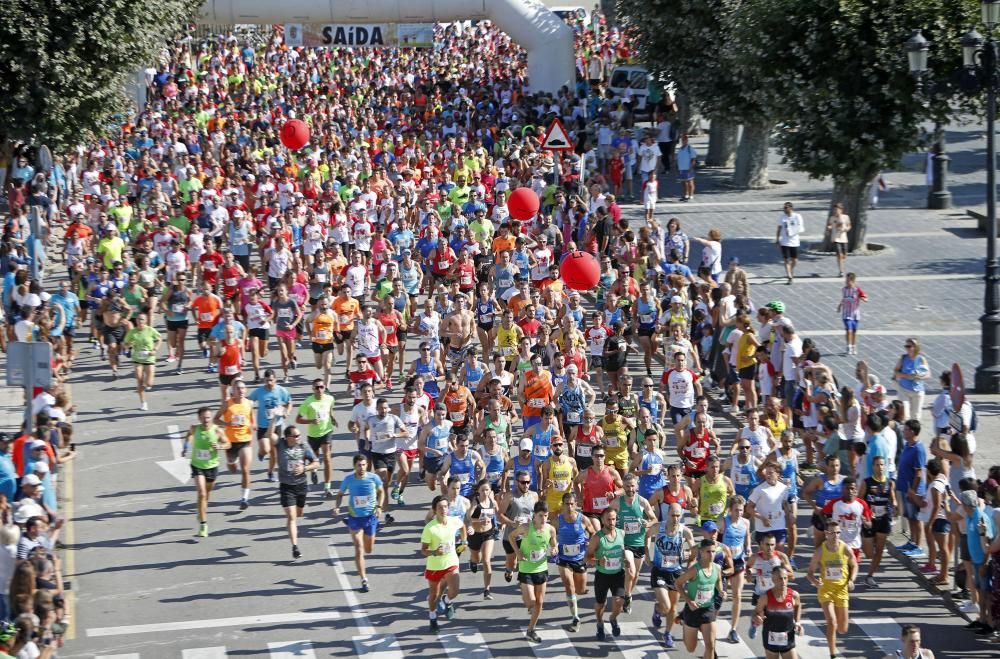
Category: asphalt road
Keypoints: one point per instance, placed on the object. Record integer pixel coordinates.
(146, 587)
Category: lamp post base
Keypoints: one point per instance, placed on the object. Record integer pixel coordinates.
(987, 380)
(939, 200)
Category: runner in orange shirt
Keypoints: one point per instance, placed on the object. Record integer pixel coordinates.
(207, 308)
(229, 353)
(505, 241)
(346, 310)
(324, 325)
(535, 392)
(460, 404)
(236, 417)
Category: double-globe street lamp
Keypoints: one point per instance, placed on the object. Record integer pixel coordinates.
(980, 73)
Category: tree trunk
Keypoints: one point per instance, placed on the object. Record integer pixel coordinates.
(853, 194)
(751, 157)
(687, 114)
(721, 144)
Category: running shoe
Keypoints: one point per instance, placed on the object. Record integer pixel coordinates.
(212, 368)
(364, 586)
(627, 608)
(968, 607)
(601, 634)
(315, 478)
(985, 630)
(204, 353)
(975, 624)
(533, 636)
(657, 620)
(295, 364)
(574, 626)
(508, 575)
(450, 611)
(870, 582)
(296, 554)
(792, 563)
(143, 406)
(434, 624)
(753, 631)
(615, 628)
(271, 478)
(733, 636)
(171, 359)
(473, 567)
(400, 500)
(928, 569)
(329, 494)
(389, 519)
(394, 493)
(668, 641)
(184, 450)
(487, 595)
(244, 504)
(917, 553)
(179, 371)
(203, 530)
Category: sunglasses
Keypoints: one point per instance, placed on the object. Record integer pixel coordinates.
(524, 482)
(295, 434)
(318, 386)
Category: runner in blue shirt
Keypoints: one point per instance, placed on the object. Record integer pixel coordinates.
(364, 504)
(273, 402)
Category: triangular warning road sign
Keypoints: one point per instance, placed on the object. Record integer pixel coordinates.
(556, 138)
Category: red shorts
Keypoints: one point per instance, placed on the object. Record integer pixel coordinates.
(857, 555)
(411, 453)
(438, 575)
(373, 359)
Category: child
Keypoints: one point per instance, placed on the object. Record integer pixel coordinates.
(765, 372)
(851, 297)
(616, 172)
(650, 191)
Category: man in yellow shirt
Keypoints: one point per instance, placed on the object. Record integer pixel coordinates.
(111, 246)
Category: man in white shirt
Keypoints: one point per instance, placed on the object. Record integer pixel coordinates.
(791, 355)
(790, 228)
(649, 156)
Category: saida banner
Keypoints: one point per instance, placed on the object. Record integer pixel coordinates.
(393, 35)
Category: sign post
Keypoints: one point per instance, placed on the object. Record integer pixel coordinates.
(29, 365)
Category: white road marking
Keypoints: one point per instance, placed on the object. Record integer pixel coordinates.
(218, 652)
(726, 650)
(291, 650)
(178, 467)
(555, 643)
(118, 656)
(813, 644)
(244, 621)
(465, 644)
(911, 332)
(883, 630)
(354, 604)
(637, 640)
(780, 279)
(378, 646)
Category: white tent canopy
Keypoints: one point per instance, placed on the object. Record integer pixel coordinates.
(547, 40)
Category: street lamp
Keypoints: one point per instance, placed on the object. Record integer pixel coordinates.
(979, 73)
(938, 196)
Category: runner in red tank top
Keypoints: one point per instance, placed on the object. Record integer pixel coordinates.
(673, 492)
(601, 484)
(585, 440)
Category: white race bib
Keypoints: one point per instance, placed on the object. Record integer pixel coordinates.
(778, 639)
(232, 370)
(322, 335)
(716, 508)
(632, 527)
(536, 555)
(600, 503)
(742, 478)
(645, 318)
(542, 451)
(571, 550)
(560, 486)
(698, 452)
(612, 563)
(703, 597)
(494, 476)
(583, 450)
(178, 308)
(655, 469)
(229, 281)
(457, 417)
(321, 277)
(463, 478)
(145, 354)
(205, 317)
(239, 420)
(669, 562)
(361, 502)
(444, 265)
(611, 441)
(834, 573)
(572, 417)
(880, 511)
(203, 454)
(538, 403)
(284, 313)
(343, 318)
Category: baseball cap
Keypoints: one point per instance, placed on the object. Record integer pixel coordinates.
(969, 498)
(876, 389)
(407, 252)
(40, 467)
(526, 444)
(709, 526)
(676, 299)
(31, 479)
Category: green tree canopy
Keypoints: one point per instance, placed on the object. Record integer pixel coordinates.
(64, 64)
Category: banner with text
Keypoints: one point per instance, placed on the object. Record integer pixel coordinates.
(392, 35)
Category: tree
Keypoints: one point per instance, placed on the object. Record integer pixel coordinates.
(689, 42)
(836, 73)
(64, 64)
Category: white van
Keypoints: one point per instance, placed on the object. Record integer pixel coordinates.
(631, 81)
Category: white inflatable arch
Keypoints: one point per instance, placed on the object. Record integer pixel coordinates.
(547, 40)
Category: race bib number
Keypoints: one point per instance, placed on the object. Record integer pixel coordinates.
(571, 550)
(655, 469)
(462, 478)
(742, 478)
(698, 452)
(145, 354)
(765, 581)
(778, 639)
(573, 417)
(542, 451)
(611, 442)
(284, 313)
(322, 415)
(443, 265)
(560, 485)
(322, 335)
(880, 511)
(494, 476)
(361, 502)
(506, 352)
(457, 417)
(229, 281)
(583, 450)
(321, 277)
(448, 547)
(178, 308)
(600, 503)
(645, 318)
(536, 555)
(537, 403)
(612, 562)
(203, 454)
(632, 527)
(669, 562)
(205, 317)
(344, 319)
(522, 519)
(269, 413)
(703, 597)
(232, 370)
(834, 572)
(239, 420)
(716, 508)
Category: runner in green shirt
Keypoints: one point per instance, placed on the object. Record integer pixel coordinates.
(635, 517)
(699, 587)
(533, 544)
(144, 342)
(437, 542)
(205, 441)
(606, 549)
(317, 411)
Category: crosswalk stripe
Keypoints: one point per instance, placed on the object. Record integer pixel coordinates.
(377, 646)
(291, 650)
(218, 652)
(243, 621)
(465, 644)
(883, 630)
(555, 643)
(726, 650)
(133, 655)
(813, 643)
(637, 640)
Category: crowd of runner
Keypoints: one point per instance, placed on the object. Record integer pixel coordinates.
(574, 430)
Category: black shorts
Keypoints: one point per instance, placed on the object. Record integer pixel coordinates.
(739, 566)
(385, 461)
(317, 443)
(662, 579)
(583, 464)
(818, 521)
(341, 337)
(174, 325)
(963, 548)
(646, 331)
(228, 379)
(263, 433)
(608, 583)
(698, 617)
(233, 452)
(597, 361)
(69, 332)
(614, 365)
(879, 525)
(401, 335)
(258, 333)
(507, 547)
(293, 495)
(578, 567)
(476, 540)
(320, 348)
(789, 252)
(840, 248)
(486, 327)
(209, 474)
(638, 552)
(533, 578)
(113, 335)
(203, 334)
(748, 372)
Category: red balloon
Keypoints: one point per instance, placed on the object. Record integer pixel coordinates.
(295, 134)
(580, 271)
(523, 204)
